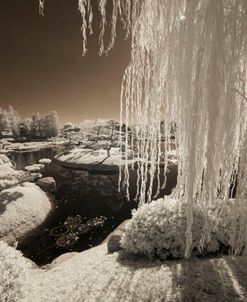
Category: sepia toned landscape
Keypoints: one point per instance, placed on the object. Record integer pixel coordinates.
(123, 138)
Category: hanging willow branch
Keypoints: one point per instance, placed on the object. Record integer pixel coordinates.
(41, 7)
(188, 66)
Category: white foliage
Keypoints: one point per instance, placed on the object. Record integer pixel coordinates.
(158, 230)
(14, 270)
(9, 121)
(188, 66)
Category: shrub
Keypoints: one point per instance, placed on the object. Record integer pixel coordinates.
(226, 216)
(157, 230)
(14, 268)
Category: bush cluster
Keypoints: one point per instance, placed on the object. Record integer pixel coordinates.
(158, 230)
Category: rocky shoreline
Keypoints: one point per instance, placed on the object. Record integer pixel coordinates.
(23, 205)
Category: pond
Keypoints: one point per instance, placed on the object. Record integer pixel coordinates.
(84, 194)
(27, 158)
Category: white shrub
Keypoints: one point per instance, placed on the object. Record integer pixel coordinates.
(158, 230)
(13, 273)
(226, 216)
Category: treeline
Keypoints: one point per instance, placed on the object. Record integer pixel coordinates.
(36, 127)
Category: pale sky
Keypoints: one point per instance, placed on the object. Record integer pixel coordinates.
(41, 67)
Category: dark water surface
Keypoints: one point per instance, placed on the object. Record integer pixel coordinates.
(27, 158)
(79, 192)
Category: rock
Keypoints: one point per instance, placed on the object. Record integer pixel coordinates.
(36, 176)
(30, 177)
(33, 146)
(22, 210)
(4, 160)
(101, 183)
(47, 184)
(113, 244)
(92, 160)
(34, 168)
(61, 259)
(8, 181)
(113, 240)
(3, 151)
(45, 161)
(8, 176)
(14, 270)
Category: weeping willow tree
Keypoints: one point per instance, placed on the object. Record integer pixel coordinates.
(188, 65)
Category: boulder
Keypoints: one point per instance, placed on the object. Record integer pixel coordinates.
(14, 270)
(61, 259)
(92, 160)
(22, 211)
(47, 184)
(8, 180)
(113, 240)
(101, 183)
(36, 168)
(35, 176)
(8, 176)
(45, 161)
(4, 160)
(113, 244)
(30, 177)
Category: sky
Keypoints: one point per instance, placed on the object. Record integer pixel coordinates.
(42, 67)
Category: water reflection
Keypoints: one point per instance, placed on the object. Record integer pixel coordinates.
(27, 158)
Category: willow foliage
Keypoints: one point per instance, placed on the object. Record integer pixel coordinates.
(188, 66)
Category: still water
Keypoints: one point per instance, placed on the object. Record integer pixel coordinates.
(79, 193)
(27, 158)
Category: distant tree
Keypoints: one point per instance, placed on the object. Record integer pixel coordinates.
(68, 125)
(1, 121)
(97, 127)
(34, 132)
(45, 126)
(112, 125)
(25, 128)
(6, 122)
(53, 124)
(14, 121)
(36, 127)
(9, 122)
